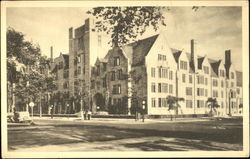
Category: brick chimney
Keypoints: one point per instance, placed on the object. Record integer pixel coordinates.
(228, 61)
(193, 55)
(51, 53)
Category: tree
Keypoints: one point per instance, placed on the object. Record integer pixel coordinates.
(213, 104)
(125, 23)
(25, 74)
(173, 103)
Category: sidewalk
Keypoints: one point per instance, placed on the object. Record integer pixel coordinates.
(127, 121)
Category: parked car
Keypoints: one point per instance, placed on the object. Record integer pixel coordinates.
(22, 117)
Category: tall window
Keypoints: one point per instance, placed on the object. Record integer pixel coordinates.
(153, 102)
(153, 89)
(170, 88)
(159, 72)
(183, 65)
(200, 103)
(206, 81)
(188, 91)
(159, 87)
(215, 83)
(159, 102)
(171, 75)
(232, 84)
(222, 73)
(190, 79)
(119, 74)
(112, 75)
(232, 75)
(116, 61)
(222, 84)
(200, 91)
(215, 93)
(152, 72)
(206, 92)
(104, 82)
(116, 89)
(222, 94)
(189, 103)
(206, 69)
(183, 78)
(165, 87)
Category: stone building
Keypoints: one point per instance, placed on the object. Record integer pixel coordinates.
(157, 70)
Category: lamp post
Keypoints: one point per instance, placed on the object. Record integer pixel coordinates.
(143, 110)
(31, 104)
(230, 96)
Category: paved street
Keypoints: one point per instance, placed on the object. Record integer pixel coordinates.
(62, 134)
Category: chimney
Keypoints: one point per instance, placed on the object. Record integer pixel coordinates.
(228, 57)
(193, 55)
(51, 53)
(70, 33)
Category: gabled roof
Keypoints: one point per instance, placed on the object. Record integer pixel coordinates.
(176, 54)
(215, 66)
(141, 49)
(239, 78)
(200, 61)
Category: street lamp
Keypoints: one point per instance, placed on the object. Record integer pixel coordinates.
(143, 110)
(31, 104)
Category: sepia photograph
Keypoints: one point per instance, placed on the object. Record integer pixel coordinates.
(124, 79)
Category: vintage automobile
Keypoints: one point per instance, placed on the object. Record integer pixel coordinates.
(21, 117)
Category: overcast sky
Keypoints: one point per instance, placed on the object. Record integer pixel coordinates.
(215, 29)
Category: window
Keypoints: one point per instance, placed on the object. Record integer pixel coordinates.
(215, 93)
(200, 103)
(116, 89)
(116, 61)
(119, 74)
(152, 72)
(112, 75)
(232, 84)
(190, 79)
(171, 75)
(222, 73)
(98, 70)
(200, 91)
(200, 79)
(164, 73)
(215, 83)
(222, 94)
(159, 87)
(162, 57)
(66, 74)
(206, 69)
(159, 72)
(164, 102)
(92, 84)
(238, 91)
(153, 102)
(232, 75)
(188, 91)
(226, 83)
(206, 92)
(104, 82)
(206, 81)
(222, 84)
(79, 59)
(171, 88)
(159, 102)
(189, 103)
(60, 65)
(165, 87)
(222, 105)
(183, 78)
(66, 85)
(183, 65)
(79, 70)
(104, 66)
(153, 89)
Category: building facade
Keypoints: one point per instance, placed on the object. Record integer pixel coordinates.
(154, 71)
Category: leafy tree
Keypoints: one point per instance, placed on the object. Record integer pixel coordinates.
(124, 23)
(173, 103)
(213, 104)
(25, 75)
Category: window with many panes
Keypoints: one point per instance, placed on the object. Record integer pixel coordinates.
(170, 88)
(215, 83)
(171, 75)
(159, 102)
(189, 103)
(153, 102)
(188, 91)
(153, 89)
(190, 79)
(116, 89)
(183, 78)
(152, 72)
(183, 65)
(206, 69)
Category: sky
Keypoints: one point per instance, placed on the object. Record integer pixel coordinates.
(215, 29)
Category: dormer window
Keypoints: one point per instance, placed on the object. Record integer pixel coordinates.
(222, 74)
(183, 65)
(206, 69)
